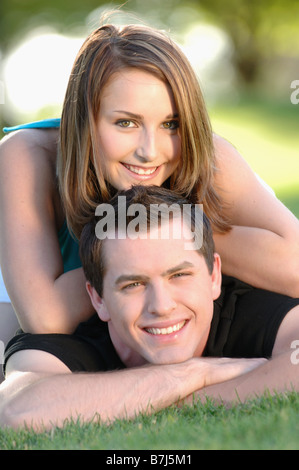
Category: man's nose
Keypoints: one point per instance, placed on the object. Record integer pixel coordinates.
(161, 300)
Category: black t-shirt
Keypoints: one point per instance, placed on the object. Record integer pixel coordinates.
(244, 324)
(246, 320)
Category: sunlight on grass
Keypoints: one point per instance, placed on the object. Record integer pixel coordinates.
(275, 161)
(273, 155)
(267, 136)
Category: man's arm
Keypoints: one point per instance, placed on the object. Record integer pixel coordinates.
(279, 374)
(45, 399)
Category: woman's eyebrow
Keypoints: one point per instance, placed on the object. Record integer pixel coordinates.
(139, 116)
(128, 113)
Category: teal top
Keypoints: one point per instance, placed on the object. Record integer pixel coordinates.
(68, 245)
(44, 124)
(69, 249)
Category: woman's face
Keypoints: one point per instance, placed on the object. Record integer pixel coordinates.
(138, 130)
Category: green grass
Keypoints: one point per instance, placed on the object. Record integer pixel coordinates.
(266, 133)
(264, 423)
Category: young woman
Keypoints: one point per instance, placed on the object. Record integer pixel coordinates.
(133, 113)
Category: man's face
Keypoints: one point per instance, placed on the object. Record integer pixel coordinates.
(158, 299)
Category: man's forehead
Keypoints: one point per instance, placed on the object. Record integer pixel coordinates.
(153, 221)
(145, 255)
(174, 228)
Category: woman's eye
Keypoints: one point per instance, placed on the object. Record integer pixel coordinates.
(125, 123)
(171, 125)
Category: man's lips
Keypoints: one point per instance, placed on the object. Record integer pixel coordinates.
(166, 330)
(138, 170)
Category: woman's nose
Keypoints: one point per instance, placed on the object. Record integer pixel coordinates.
(147, 150)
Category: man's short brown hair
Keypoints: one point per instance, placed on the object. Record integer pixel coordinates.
(91, 246)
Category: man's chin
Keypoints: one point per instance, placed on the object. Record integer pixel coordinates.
(175, 359)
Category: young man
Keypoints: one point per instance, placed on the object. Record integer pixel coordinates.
(157, 291)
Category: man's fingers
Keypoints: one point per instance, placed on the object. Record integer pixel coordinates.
(224, 369)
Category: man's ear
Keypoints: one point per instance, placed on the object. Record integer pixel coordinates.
(216, 277)
(97, 302)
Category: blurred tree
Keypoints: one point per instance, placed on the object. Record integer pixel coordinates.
(259, 29)
(19, 16)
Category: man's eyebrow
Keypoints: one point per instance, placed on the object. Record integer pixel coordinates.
(130, 278)
(139, 116)
(179, 267)
(143, 278)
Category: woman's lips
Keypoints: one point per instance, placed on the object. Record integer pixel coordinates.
(140, 171)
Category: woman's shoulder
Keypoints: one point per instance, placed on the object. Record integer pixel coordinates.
(233, 176)
(32, 141)
(224, 149)
(229, 161)
(28, 158)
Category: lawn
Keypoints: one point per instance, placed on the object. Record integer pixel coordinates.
(264, 423)
(266, 134)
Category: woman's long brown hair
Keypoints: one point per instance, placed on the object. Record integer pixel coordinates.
(105, 52)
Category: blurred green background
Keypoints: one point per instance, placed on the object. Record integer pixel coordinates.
(245, 53)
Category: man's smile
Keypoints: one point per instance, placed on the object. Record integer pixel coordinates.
(166, 331)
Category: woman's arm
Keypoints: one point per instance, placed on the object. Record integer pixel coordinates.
(45, 299)
(263, 245)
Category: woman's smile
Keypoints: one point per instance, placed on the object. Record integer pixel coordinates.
(142, 173)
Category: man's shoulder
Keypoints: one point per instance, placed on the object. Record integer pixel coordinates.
(246, 320)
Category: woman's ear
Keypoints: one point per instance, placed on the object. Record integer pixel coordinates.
(97, 302)
(216, 277)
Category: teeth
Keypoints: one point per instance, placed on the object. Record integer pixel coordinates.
(166, 331)
(140, 171)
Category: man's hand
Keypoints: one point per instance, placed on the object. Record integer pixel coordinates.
(223, 369)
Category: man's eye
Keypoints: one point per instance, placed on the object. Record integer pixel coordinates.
(180, 275)
(171, 125)
(131, 285)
